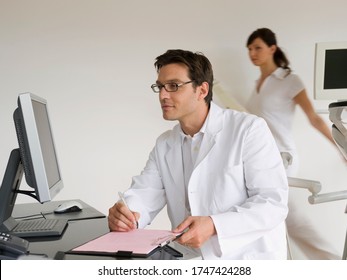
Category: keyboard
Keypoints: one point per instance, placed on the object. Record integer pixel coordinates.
(40, 227)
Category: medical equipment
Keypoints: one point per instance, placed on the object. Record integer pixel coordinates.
(315, 187)
(338, 116)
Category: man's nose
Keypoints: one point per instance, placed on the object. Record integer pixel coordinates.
(163, 93)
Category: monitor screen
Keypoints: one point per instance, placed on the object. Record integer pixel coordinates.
(331, 71)
(36, 146)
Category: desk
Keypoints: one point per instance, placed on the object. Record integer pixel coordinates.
(76, 233)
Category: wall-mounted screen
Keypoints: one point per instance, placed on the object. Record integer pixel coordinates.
(330, 82)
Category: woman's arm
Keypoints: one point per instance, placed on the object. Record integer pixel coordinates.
(316, 121)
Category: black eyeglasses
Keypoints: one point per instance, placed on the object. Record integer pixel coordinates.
(169, 87)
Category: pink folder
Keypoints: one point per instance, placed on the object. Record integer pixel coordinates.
(138, 242)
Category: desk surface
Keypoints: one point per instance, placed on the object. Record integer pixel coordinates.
(47, 211)
(76, 233)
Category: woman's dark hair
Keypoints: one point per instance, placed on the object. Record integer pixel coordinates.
(269, 38)
(199, 67)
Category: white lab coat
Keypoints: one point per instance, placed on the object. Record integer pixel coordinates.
(238, 180)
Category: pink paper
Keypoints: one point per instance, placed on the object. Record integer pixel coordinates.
(138, 241)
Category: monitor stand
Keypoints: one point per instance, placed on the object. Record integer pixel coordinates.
(8, 194)
(9, 190)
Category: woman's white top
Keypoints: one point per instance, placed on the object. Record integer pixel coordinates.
(274, 102)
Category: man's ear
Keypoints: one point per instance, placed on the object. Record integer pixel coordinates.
(204, 88)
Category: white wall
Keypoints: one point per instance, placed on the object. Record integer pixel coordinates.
(93, 61)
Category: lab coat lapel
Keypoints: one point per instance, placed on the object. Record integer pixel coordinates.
(173, 159)
(213, 126)
(206, 145)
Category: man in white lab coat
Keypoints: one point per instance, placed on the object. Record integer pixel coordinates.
(218, 171)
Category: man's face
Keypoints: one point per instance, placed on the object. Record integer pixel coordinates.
(181, 104)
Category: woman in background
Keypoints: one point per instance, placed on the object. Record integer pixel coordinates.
(275, 96)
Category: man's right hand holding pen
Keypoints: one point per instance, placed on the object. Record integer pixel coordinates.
(121, 218)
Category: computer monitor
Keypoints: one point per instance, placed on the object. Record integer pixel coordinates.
(330, 79)
(36, 147)
(36, 158)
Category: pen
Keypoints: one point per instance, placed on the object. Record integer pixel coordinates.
(121, 196)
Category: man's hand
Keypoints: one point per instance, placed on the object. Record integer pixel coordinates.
(120, 218)
(200, 229)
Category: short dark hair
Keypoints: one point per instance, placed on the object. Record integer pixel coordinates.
(269, 39)
(199, 67)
